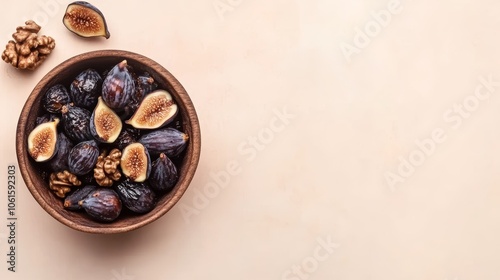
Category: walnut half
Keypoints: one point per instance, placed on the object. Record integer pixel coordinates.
(106, 170)
(61, 183)
(28, 50)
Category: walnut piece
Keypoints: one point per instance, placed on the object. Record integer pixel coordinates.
(106, 170)
(61, 182)
(28, 50)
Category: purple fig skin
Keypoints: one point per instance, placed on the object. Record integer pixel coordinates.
(85, 89)
(168, 140)
(60, 160)
(76, 123)
(144, 84)
(71, 202)
(137, 197)
(83, 157)
(56, 97)
(89, 10)
(163, 174)
(118, 87)
(88, 179)
(46, 118)
(102, 204)
(128, 136)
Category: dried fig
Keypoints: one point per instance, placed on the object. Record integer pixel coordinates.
(55, 98)
(144, 84)
(83, 157)
(71, 202)
(137, 197)
(85, 89)
(118, 87)
(49, 117)
(163, 174)
(76, 123)
(60, 160)
(102, 204)
(128, 136)
(168, 140)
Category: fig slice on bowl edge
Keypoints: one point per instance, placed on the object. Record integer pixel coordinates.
(85, 20)
(42, 141)
(157, 109)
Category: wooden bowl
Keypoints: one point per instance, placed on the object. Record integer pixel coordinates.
(65, 73)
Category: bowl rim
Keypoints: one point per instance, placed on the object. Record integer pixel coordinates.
(192, 155)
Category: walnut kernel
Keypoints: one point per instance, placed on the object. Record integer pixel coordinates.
(61, 183)
(106, 170)
(28, 50)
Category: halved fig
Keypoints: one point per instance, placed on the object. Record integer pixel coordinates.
(85, 20)
(105, 125)
(135, 162)
(157, 109)
(42, 141)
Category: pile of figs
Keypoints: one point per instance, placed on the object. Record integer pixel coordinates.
(99, 112)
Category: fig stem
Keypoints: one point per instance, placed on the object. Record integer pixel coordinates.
(122, 65)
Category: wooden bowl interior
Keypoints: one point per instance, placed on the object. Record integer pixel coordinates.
(64, 74)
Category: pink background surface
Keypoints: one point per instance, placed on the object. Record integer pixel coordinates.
(306, 109)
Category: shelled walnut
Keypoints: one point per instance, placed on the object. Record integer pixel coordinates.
(28, 50)
(61, 183)
(106, 170)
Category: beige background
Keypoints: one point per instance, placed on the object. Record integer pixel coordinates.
(318, 176)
